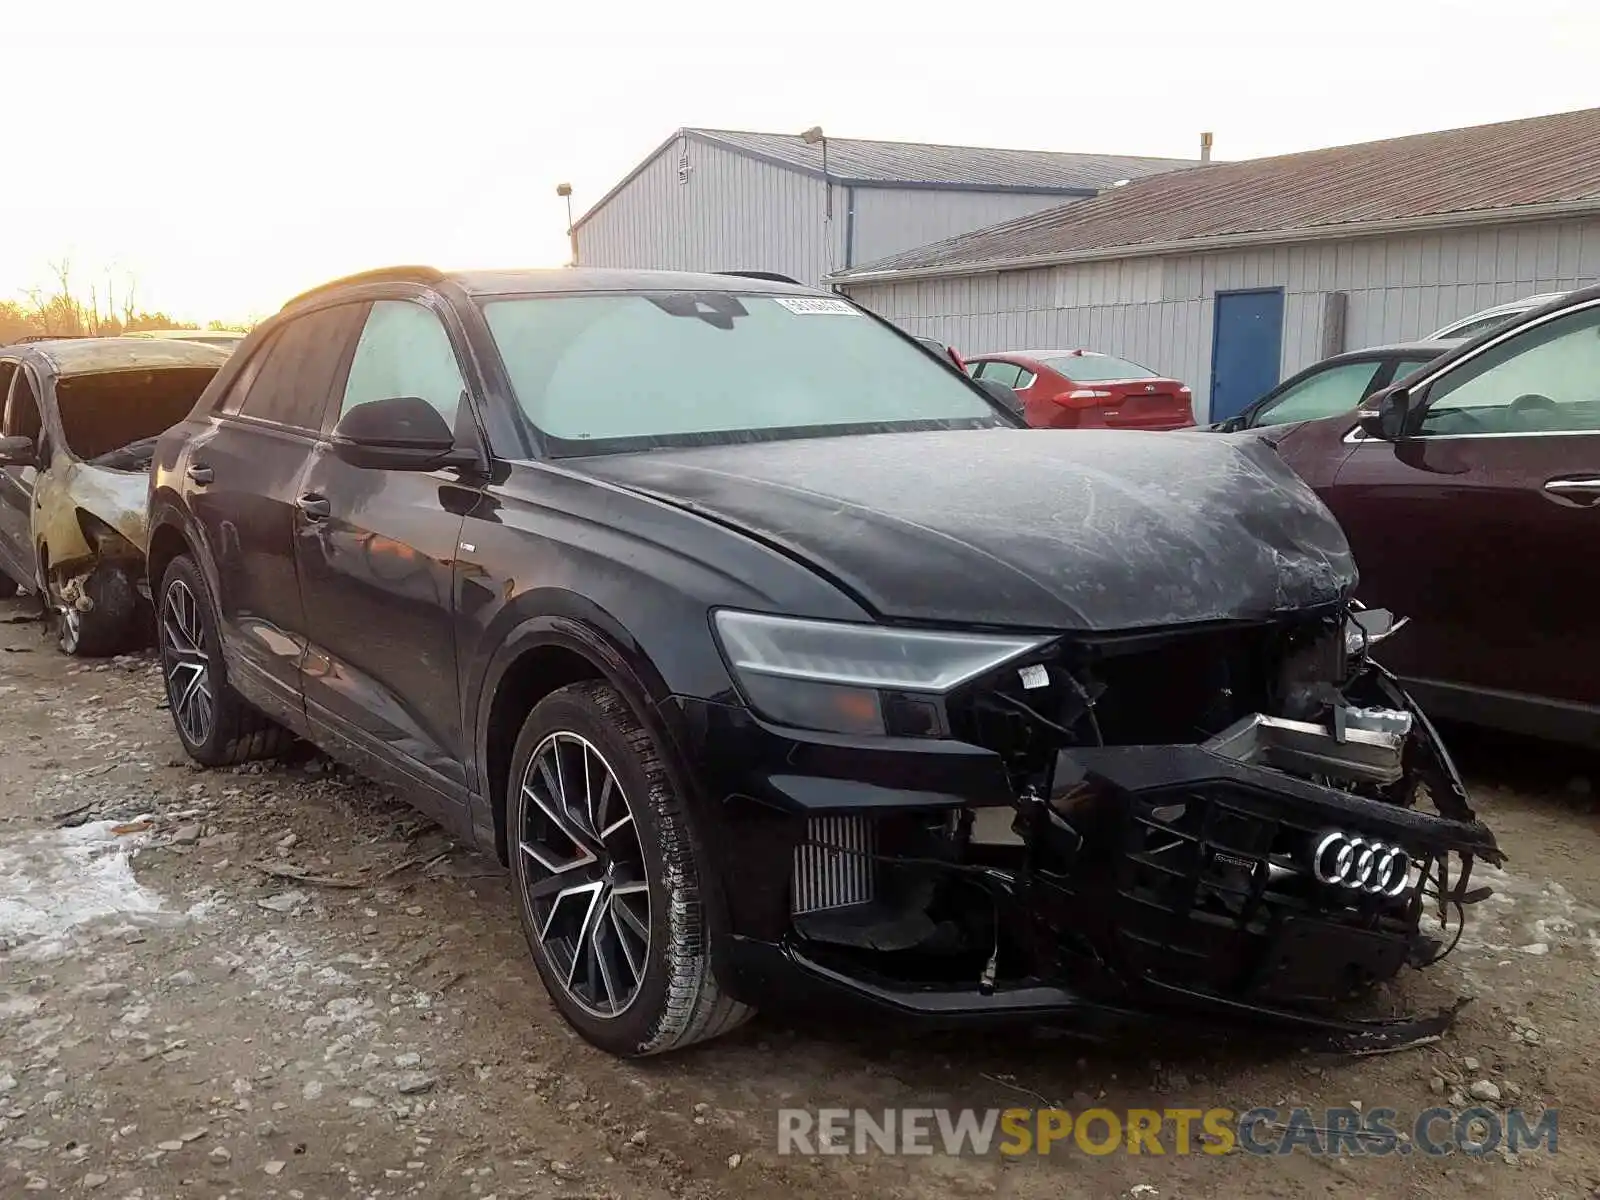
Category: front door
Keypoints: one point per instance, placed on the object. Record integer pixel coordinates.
(1246, 349)
(242, 477)
(19, 417)
(376, 552)
(1479, 523)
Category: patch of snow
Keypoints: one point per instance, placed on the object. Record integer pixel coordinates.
(53, 881)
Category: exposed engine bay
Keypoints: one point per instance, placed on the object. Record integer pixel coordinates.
(1251, 817)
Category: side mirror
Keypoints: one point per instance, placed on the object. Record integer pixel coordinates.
(1005, 396)
(18, 452)
(402, 433)
(1386, 415)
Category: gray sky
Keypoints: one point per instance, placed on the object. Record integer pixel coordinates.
(228, 156)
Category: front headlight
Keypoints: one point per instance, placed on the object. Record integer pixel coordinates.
(835, 676)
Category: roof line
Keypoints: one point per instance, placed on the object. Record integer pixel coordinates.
(627, 179)
(708, 137)
(722, 133)
(1466, 218)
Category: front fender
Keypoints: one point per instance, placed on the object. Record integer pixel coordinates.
(556, 617)
(571, 622)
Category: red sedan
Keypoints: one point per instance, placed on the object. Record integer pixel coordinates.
(1082, 389)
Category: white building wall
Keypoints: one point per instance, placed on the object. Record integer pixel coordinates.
(1158, 311)
(734, 213)
(889, 220)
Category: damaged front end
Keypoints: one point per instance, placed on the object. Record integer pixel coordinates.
(1248, 819)
(89, 523)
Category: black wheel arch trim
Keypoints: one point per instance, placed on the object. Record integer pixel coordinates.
(572, 622)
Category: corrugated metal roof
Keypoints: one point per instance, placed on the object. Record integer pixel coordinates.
(853, 160)
(1539, 161)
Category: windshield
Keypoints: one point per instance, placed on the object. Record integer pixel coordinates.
(1333, 390)
(1094, 368)
(604, 373)
(106, 411)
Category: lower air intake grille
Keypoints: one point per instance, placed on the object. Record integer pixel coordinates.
(825, 877)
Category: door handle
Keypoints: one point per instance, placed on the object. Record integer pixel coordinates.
(314, 506)
(1584, 491)
(199, 474)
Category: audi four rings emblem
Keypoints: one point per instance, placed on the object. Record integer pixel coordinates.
(1361, 864)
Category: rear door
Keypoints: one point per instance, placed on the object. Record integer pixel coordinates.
(377, 550)
(1480, 523)
(242, 477)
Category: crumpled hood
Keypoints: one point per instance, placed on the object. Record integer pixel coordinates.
(1070, 530)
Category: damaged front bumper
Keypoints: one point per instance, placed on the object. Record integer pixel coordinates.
(1269, 874)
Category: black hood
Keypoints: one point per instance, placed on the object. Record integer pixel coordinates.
(1068, 530)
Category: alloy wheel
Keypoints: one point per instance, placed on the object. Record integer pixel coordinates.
(583, 874)
(71, 633)
(188, 667)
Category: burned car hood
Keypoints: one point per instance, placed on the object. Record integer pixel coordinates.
(1070, 530)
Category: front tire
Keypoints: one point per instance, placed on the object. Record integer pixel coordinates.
(109, 625)
(607, 878)
(217, 727)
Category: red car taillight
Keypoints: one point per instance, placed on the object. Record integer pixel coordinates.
(1083, 397)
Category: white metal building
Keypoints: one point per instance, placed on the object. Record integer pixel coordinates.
(715, 200)
(1235, 275)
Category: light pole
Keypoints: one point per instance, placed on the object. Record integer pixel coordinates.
(813, 137)
(564, 190)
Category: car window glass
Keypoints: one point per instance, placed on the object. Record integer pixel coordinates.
(1544, 379)
(1024, 380)
(306, 360)
(1097, 368)
(405, 351)
(1325, 394)
(22, 413)
(1001, 372)
(1408, 366)
(599, 374)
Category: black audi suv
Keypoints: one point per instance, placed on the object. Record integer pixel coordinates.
(781, 665)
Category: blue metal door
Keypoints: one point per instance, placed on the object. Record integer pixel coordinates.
(1246, 349)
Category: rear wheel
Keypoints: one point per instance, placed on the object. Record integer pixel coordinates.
(608, 878)
(215, 724)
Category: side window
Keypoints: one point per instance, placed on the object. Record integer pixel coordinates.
(8, 371)
(1001, 372)
(296, 375)
(405, 351)
(1406, 367)
(1542, 380)
(1025, 380)
(22, 413)
(1325, 394)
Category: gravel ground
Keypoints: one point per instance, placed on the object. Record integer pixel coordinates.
(280, 982)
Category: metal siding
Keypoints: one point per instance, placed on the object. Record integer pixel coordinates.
(1159, 311)
(734, 213)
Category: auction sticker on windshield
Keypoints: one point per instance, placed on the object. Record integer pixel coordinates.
(808, 306)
